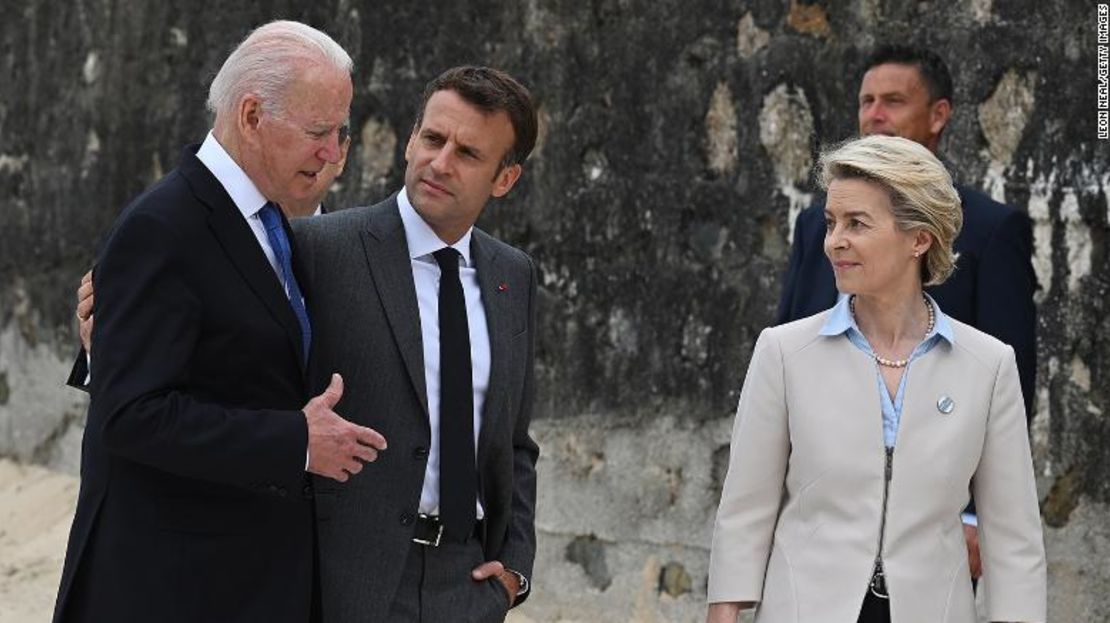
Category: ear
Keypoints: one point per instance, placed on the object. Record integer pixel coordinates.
(939, 114)
(922, 242)
(249, 117)
(505, 179)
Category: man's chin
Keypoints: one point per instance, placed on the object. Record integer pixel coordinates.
(429, 197)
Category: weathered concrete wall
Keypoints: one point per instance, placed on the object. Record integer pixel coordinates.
(677, 145)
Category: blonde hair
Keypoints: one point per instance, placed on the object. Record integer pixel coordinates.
(921, 192)
(268, 61)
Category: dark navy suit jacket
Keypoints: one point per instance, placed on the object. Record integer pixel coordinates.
(194, 504)
(991, 289)
(79, 373)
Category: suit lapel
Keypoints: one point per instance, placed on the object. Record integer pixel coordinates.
(239, 243)
(387, 259)
(496, 303)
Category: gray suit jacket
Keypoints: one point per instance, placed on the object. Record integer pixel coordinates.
(356, 273)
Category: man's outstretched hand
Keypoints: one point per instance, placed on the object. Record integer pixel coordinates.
(337, 448)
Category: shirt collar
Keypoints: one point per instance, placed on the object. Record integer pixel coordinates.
(421, 239)
(840, 320)
(231, 176)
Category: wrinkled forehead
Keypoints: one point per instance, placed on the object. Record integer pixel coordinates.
(448, 112)
(319, 94)
(857, 195)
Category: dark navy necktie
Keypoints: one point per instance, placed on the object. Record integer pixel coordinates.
(279, 242)
(458, 476)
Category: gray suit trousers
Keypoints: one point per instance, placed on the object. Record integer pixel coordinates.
(436, 587)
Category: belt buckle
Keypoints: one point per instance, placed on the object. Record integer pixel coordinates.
(439, 531)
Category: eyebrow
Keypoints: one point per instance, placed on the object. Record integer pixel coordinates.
(460, 146)
(851, 213)
(472, 149)
(431, 132)
(327, 125)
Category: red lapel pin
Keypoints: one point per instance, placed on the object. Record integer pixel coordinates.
(503, 287)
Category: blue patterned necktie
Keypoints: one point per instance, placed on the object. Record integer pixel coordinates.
(279, 242)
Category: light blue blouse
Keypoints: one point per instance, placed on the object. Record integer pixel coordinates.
(841, 322)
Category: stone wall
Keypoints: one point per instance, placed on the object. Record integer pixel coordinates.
(677, 144)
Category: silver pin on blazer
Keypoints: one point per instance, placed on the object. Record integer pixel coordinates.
(945, 405)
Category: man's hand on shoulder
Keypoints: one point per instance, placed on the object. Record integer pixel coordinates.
(85, 311)
(337, 448)
(974, 563)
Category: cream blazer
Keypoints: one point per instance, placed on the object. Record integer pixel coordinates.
(798, 525)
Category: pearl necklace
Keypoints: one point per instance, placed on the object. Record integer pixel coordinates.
(898, 363)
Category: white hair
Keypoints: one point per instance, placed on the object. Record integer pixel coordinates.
(267, 62)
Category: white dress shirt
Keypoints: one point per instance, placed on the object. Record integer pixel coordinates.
(422, 243)
(247, 198)
(243, 192)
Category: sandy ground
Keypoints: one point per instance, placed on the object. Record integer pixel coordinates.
(36, 509)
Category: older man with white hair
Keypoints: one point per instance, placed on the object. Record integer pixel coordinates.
(195, 503)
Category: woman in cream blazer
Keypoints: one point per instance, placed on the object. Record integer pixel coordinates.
(861, 430)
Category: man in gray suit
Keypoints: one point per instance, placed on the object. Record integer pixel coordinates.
(432, 323)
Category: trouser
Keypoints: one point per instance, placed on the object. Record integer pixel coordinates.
(436, 587)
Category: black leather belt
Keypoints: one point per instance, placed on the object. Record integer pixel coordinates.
(427, 530)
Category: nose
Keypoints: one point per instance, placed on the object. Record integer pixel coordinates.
(441, 163)
(871, 113)
(330, 152)
(834, 239)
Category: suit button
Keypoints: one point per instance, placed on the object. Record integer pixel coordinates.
(420, 453)
(407, 519)
(307, 491)
(281, 491)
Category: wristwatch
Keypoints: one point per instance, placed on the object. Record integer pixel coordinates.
(524, 586)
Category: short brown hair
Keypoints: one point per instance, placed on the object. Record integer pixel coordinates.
(491, 90)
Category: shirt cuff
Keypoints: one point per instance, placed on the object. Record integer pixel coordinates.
(969, 519)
